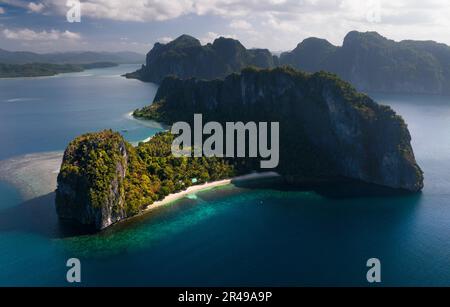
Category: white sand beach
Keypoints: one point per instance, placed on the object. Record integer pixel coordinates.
(147, 122)
(209, 185)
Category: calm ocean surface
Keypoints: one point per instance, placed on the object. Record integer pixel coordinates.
(232, 236)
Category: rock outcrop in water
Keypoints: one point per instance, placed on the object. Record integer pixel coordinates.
(103, 179)
(327, 129)
(185, 57)
(91, 181)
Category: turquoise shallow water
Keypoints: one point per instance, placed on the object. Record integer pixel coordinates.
(235, 236)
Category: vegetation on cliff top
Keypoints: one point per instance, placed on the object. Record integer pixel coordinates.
(151, 172)
(91, 161)
(162, 111)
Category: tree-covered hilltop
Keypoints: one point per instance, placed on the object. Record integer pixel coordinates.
(373, 63)
(327, 129)
(186, 57)
(45, 69)
(103, 179)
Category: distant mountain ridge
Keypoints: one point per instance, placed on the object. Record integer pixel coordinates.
(371, 62)
(77, 57)
(374, 63)
(45, 69)
(185, 57)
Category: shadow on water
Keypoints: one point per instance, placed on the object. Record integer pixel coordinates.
(38, 216)
(342, 189)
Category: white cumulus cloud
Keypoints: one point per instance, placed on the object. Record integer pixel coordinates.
(211, 36)
(276, 24)
(31, 35)
(165, 39)
(35, 7)
(240, 24)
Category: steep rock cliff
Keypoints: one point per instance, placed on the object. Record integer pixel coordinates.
(103, 179)
(185, 57)
(91, 181)
(327, 129)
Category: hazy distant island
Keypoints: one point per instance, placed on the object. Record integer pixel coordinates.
(15, 64)
(329, 133)
(371, 62)
(73, 57)
(45, 69)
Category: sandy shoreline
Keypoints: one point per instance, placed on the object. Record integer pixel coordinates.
(180, 195)
(209, 185)
(147, 122)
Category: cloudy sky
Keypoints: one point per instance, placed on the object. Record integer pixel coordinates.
(279, 25)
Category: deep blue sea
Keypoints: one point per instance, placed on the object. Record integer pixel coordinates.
(229, 236)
